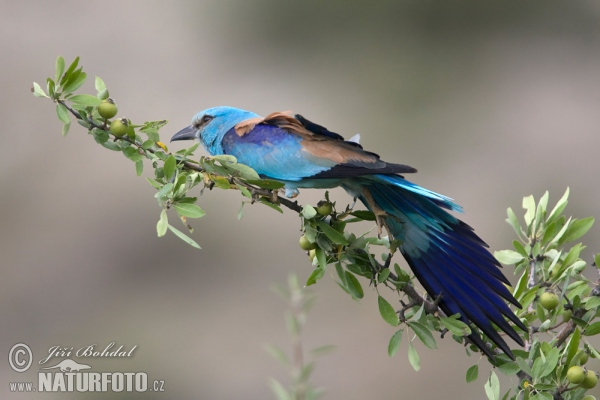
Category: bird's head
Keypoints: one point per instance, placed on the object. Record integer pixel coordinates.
(209, 126)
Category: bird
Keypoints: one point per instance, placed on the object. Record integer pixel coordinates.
(451, 262)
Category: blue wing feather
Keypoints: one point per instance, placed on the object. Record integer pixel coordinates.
(447, 257)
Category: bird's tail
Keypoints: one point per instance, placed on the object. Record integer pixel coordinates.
(444, 253)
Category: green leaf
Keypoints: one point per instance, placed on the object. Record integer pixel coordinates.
(184, 237)
(308, 211)
(520, 248)
(191, 149)
(529, 206)
(189, 210)
(225, 159)
(103, 95)
(573, 346)
(99, 85)
(277, 354)
(354, 286)
(472, 373)
(424, 334)
(513, 221)
(241, 211)
(170, 166)
(364, 215)
(394, 344)
(38, 91)
(63, 113)
(543, 203)
(322, 350)
(559, 207)
(280, 392)
(332, 234)
(133, 154)
(508, 257)
(51, 88)
(85, 100)
(244, 171)
(560, 234)
(221, 182)
(78, 78)
(69, 71)
(111, 145)
(492, 387)
(551, 362)
(592, 302)
(266, 183)
(455, 326)
(413, 357)
(60, 68)
(509, 368)
(139, 167)
(592, 329)
(321, 258)
(65, 128)
(163, 222)
(524, 365)
(578, 228)
(383, 275)
(387, 312)
(315, 276)
(268, 203)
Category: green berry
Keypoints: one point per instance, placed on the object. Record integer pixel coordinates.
(590, 380)
(576, 375)
(305, 244)
(119, 127)
(324, 208)
(583, 358)
(588, 397)
(107, 109)
(549, 300)
(312, 254)
(567, 315)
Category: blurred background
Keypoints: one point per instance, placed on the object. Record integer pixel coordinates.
(491, 102)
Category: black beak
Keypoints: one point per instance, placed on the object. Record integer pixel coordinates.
(187, 133)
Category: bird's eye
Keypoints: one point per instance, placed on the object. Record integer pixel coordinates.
(198, 123)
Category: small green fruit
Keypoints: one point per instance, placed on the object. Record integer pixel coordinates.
(590, 380)
(588, 397)
(583, 358)
(549, 300)
(107, 109)
(324, 208)
(567, 315)
(312, 254)
(119, 127)
(576, 375)
(305, 244)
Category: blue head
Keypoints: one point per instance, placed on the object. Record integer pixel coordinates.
(209, 126)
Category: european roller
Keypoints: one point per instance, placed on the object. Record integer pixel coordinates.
(446, 256)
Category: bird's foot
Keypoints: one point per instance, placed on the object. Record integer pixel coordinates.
(380, 217)
(291, 193)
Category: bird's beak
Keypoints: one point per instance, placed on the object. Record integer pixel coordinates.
(187, 133)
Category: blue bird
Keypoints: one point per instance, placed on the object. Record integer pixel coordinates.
(446, 256)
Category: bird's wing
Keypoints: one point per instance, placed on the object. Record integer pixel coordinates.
(283, 146)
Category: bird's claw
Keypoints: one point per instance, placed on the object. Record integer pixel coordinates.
(291, 193)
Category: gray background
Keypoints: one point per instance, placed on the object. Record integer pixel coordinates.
(489, 102)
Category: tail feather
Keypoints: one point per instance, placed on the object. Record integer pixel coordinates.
(445, 254)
